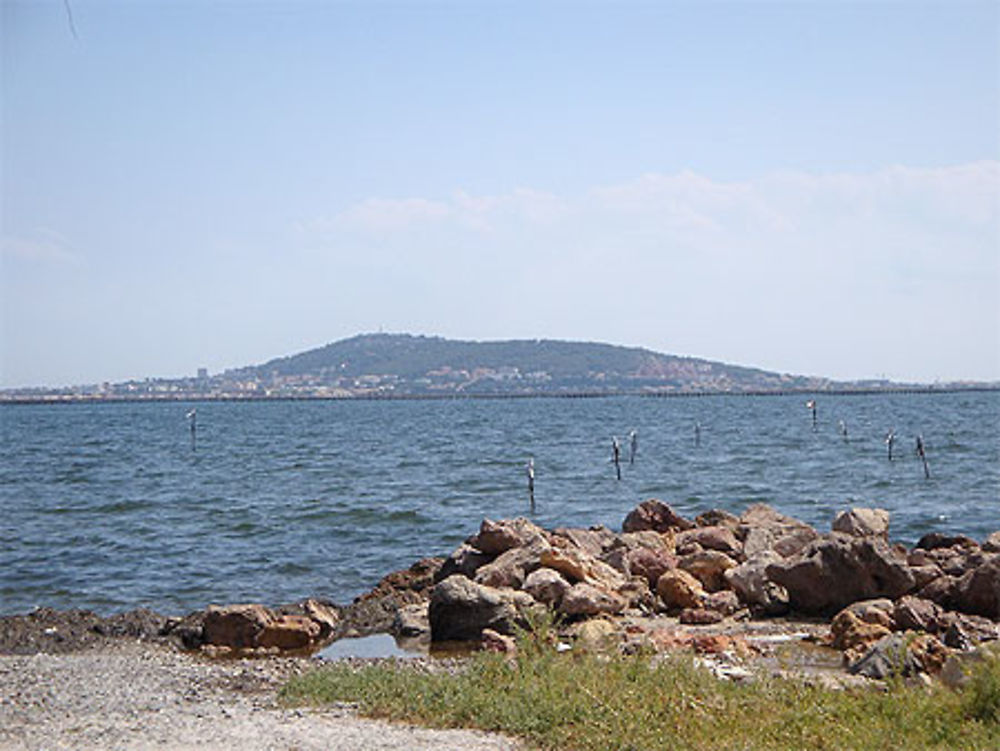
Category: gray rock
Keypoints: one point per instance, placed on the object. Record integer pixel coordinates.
(547, 586)
(835, 571)
(460, 609)
(750, 582)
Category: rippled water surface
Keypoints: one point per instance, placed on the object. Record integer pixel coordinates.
(108, 506)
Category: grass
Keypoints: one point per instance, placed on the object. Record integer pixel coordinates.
(584, 702)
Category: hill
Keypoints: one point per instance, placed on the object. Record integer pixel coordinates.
(403, 364)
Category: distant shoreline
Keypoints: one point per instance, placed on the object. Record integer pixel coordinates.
(6, 399)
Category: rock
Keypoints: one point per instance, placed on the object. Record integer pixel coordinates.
(288, 632)
(460, 609)
(493, 641)
(236, 626)
(978, 591)
(585, 599)
(957, 668)
(879, 611)
(863, 522)
(700, 616)
(577, 566)
(940, 589)
(718, 518)
(929, 653)
(917, 614)
(324, 614)
(935, 540)
(725, 602)
(924, 575)
(593, 541)
(709, 567)
(763, 529)
(510, 567)
(496, 537)
(838, 570)
(678, 589)
(547, 586)
(962, 631)
(638, 595)
(992, 543)
(466, 560)
(596, 635)
(717, 538)
(852, 635)
(655, 515)
(749, 581)
(885, 658)
(649, 564)
(411, 621)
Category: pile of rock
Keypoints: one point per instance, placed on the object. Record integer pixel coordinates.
(721, 566)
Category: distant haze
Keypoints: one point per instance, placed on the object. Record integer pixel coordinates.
(809, 188)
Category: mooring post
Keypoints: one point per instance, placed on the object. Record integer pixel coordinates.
(192, 417)
(923, 456)
(890, 439)
(616, 456)
(811, 405)
(633, 440)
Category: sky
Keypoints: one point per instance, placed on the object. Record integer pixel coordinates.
(806, 187)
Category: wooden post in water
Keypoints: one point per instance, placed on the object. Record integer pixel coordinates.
(697, 433)
(811, 405)
(530, 470)
(616, 456)
(890, 438)
(192, 417)
(923, 456)
(633, 439)
(843, 429)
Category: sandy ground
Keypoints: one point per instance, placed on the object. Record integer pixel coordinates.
(132, 695)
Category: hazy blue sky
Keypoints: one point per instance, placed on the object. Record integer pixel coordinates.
(808, 187)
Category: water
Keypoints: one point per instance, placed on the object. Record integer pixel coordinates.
(106, 506)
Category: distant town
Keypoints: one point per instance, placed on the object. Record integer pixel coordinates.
(381, 366)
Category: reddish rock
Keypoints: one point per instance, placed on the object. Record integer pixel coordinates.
(577, 566)
(678, 589)
(593, 541)
(878, 611)
(700, 616)
(763, 529)
(724, 602)
(466, 560)
(649, 564)
(712, 538)
(511, 567)
(290, 632)
(587, 600)
(854, 636)
(917, 614)
(709, 567)
(236, 626)
(496, 537)
(654, 515)
(978, 591)
(547, 586)
(717, 518)
(497, 642)
(324, 615)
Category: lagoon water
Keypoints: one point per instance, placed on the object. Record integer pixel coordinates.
(109, 507)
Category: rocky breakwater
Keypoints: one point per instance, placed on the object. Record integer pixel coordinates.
(663, 576)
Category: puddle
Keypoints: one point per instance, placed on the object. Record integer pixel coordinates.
(376, 645)
(805, 658)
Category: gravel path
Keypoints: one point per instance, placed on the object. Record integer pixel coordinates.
(138, 696)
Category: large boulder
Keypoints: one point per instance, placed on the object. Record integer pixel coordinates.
(460, 609)
(863, 522)
(593, 541)
(289, 632)
(648, 563)
(465, 560)
(835, 571)
(655, 515)
(576, 566)
(912, 613)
